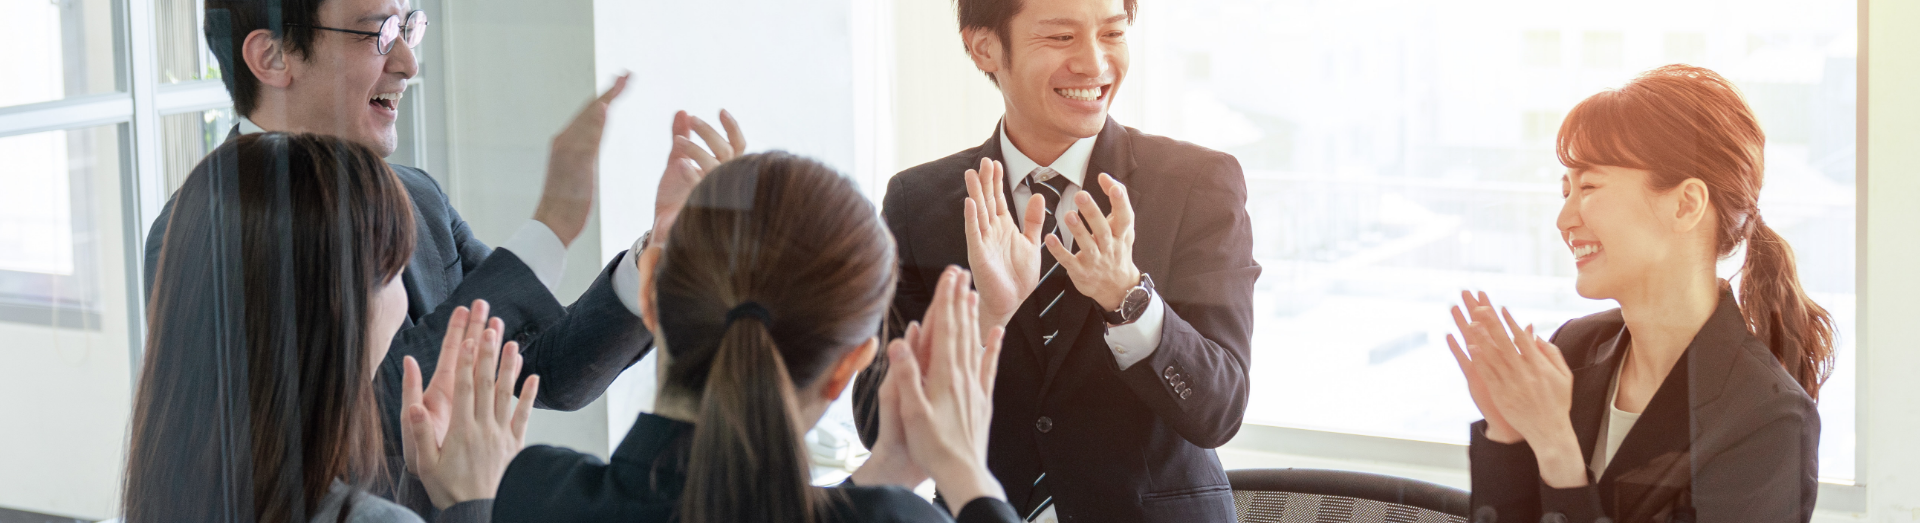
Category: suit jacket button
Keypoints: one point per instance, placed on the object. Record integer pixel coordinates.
(1168, 374)
(1185, 393)
(1044, 425)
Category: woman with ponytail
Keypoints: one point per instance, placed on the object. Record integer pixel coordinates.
(767, 293)
(1689, 402)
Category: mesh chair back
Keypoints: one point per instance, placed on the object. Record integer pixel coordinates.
(1338, 496)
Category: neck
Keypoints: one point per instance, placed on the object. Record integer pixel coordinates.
(677, 407)
(1037, 146)
(1665, 315)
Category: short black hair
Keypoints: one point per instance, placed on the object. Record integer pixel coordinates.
(228, 22)
(997, 16)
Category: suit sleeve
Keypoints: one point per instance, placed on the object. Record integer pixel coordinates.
(545, 483)
(1769, 475)
(1196, 380)
(910, 300)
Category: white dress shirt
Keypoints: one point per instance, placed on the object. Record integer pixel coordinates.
(1132, 342)
(540, 249)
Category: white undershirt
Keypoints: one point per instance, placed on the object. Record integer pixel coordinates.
(1614, 430)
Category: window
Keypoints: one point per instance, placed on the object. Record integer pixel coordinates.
(58, 49)
(1401, 151)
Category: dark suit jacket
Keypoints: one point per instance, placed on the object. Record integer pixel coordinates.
(1116, 446)
(577, 349)
(648, 473)
(1728, 437)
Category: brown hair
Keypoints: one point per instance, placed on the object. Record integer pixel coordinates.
(228, 22)
(255, 395)
(775, 269)
(997, 16)
(1683, 122)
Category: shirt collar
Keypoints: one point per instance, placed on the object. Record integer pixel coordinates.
(1071, 164)
(248, 127)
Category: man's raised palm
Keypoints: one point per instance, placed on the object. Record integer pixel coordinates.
(1004, 255)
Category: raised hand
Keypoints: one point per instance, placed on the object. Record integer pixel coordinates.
(485, 428)
(1528, 382)
(465, 327)
(1005, 256)
(946, 412)
(1497, 427)
(1103, 269)
(891, 462)
(687, 164)
(573, 168)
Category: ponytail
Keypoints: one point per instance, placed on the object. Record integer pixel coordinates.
(751, 462)
(1778, 311)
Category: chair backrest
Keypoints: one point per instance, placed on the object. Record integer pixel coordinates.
(1339, 496)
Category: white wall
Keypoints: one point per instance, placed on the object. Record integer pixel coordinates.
(783, 68)
(515, 74)
(1890, 123)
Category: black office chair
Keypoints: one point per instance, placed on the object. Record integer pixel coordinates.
(1339, 496)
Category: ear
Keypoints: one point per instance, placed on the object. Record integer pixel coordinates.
(848, 366)
(983, 46)
(649, 302)
(1693, 206)
(266, 58)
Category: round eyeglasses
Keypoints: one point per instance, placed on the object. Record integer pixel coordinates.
(412, 29)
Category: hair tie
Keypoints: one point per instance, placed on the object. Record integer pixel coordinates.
(749, 309)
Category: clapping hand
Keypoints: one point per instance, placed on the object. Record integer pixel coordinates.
(483, 426)
(1103, 268)
(946, 412)
(1522, 385)
(687, 164)
(573, 167)
(1005, 256)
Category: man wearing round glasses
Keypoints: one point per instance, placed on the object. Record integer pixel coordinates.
(340, 67)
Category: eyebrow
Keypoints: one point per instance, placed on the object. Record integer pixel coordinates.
(1075, 22)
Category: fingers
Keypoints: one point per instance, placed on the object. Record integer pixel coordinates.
(510, 361)
(734, 135)
(410, 397)
(1089, 222)
(1459, 355)
(685, 147)
(619, 86)
(410, 386)
(1122, 217)
(1062, 256)
(1035, 215)
(1077, 226)
(990, 366)
(463, 384)
(1553, 354)
(721, 149)
(485, 369)
(975, 232)
(1523, 343)
(450, 343)
(426, 452)
(528, 393)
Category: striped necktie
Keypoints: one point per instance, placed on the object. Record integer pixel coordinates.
(1050, 185)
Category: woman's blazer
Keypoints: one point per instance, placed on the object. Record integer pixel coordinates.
(647, 473)
(1728, 437)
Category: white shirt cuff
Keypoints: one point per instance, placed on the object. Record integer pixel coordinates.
(541, 250)
(1135, 341)
(626, 278)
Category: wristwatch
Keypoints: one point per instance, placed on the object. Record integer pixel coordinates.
(1135, 304)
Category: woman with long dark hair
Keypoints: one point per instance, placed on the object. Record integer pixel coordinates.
(767, 294)
(275, 303)
(1688, 402)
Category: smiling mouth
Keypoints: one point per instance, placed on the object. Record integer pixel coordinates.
(1583, 253)
(390, 101)
(1084, 94)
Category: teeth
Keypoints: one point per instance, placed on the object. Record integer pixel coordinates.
(387, 96)
(1084, 95)
(1585, 250)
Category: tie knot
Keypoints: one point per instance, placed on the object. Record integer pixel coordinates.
(1051, 179)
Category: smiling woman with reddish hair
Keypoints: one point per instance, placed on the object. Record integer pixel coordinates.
(1689, 402)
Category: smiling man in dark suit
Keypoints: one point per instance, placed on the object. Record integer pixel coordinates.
(1129, 317)
(340, 67)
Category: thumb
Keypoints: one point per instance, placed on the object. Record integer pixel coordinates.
(426, 451)
(410, 390)
(1036, 212)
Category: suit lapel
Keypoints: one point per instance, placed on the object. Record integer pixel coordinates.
(1111, 155)
(1654, 463)
(1590, 384)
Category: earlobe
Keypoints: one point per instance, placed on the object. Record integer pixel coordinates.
(266, 59)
